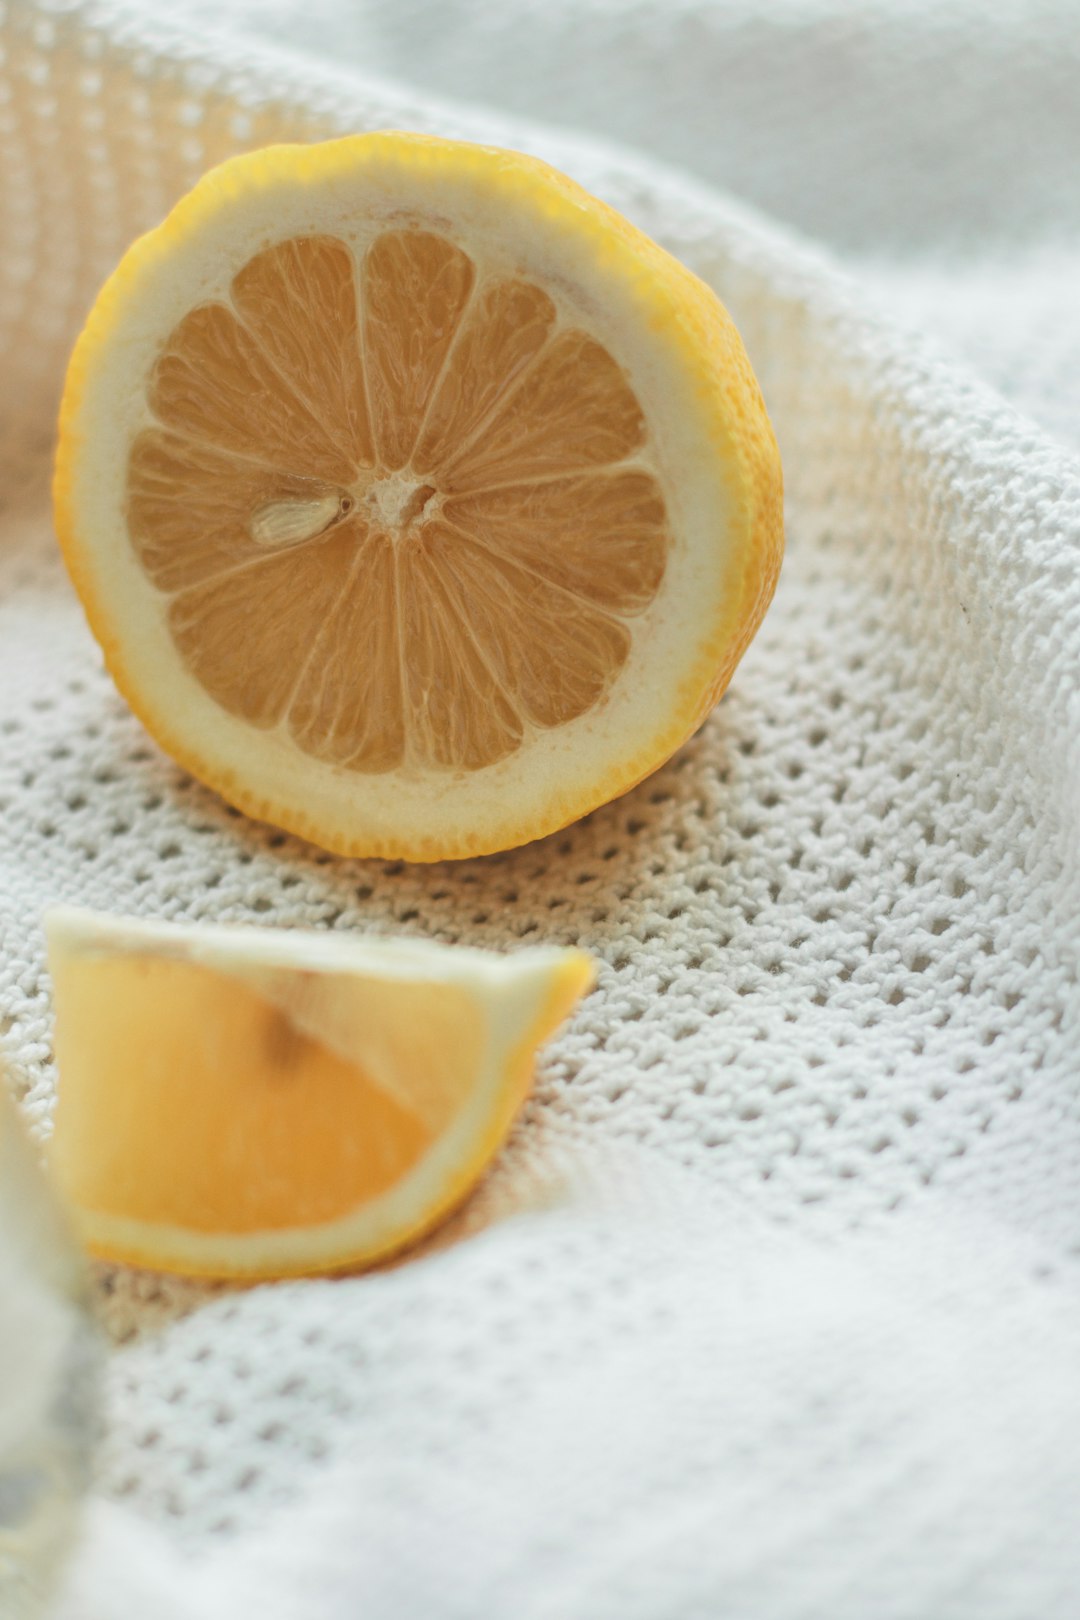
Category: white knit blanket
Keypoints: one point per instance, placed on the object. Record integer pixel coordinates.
(771, 1308)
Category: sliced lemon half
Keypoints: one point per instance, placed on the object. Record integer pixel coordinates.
(419, 502)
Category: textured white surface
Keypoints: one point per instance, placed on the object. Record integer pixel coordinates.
(772, 1307)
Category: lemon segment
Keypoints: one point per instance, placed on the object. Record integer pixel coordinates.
(249, 1102)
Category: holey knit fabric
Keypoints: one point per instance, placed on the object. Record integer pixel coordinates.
(771, 1308)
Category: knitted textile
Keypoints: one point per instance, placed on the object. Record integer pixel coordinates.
(771, 1308)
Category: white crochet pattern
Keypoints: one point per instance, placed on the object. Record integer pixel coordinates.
(771, 1309)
